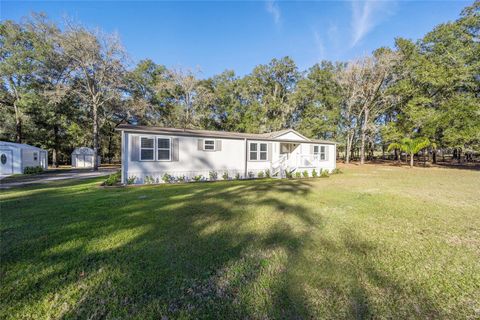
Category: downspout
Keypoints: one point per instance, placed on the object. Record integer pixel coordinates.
(246, 158)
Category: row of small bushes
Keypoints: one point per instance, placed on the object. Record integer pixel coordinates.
(315, 174)
(213, 176)
(32, 170)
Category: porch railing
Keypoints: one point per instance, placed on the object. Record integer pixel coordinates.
(308, 160)
(277, 168)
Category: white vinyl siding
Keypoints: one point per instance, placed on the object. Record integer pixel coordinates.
(147, 149)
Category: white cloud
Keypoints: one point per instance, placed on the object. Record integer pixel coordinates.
(273, 8)
(366, 15)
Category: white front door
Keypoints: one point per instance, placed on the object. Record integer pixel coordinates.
(6, 162)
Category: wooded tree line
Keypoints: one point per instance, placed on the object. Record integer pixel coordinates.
(69, 86)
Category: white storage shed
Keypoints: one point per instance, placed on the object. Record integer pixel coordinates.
(82, 157)
(15, 157)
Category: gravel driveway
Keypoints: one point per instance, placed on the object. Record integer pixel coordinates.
(53, 175)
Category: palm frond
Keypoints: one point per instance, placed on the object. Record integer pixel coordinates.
(419, 144)
(393, 146)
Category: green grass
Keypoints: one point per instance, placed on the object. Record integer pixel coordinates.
(373, 242)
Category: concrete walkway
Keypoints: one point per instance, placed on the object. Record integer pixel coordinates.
(53, 175)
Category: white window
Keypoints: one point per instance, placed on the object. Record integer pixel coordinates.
(147, 149)
(253, 151)
(322, 153)
(208, 144)
(163, 149)
(315, 150)
(263, 151)
(35, 156)
(258, 151)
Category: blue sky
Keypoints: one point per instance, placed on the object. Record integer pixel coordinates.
(215, 36)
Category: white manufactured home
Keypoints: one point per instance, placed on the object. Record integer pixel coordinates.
(151, 152)
(15, 157)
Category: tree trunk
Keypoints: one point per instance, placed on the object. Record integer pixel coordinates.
(347, 149)
(95, 136)
(18, 124)
(459, 155)
(55, 147)
(364, 137)
(434, 157)
(411, 160)
(110, 146)
(396, 155)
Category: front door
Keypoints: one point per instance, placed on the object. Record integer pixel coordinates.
(6, 162)
(287, 149)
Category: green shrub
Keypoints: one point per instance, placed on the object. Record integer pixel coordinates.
(336, 171)
(267, 173)
(225, 175)
(131, 180)
(305, 174)
(251, 175)
(324, 174)
(113, 179)
(298, 175)
(237, 176)
(198, 178)
(148, 180)
(32, 170)
(314, 173)
(167, 178)
(288, 174)
(260, 174)
(181, 179)
(213, 175)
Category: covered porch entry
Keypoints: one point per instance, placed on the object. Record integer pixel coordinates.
(294, 156)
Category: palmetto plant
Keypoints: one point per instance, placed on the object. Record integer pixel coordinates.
(411, 146)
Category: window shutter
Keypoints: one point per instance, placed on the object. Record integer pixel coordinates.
(269, 151)
(326, 152)
(175, 151)
(200, 144)
(218, 145)
(312, 149)
(135, 150)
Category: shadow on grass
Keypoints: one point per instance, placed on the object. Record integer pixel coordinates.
(243, 249)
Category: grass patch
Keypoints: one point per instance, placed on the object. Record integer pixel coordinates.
(374, 242)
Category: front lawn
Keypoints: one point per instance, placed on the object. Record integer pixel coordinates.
(373, 242)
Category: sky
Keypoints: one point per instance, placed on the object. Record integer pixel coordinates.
(238, 35)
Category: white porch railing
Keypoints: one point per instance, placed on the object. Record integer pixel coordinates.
(277, 168)
(308, 160)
